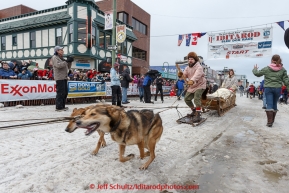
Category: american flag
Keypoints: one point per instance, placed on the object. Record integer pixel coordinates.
(180, 40)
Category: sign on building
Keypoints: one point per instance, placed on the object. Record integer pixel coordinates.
(120, 33)
(108, 16)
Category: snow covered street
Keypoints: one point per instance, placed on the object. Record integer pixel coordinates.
(233, 153)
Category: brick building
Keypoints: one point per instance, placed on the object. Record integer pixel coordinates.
(131, 14)
(16, 10)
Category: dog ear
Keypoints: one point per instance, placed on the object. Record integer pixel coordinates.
(74, 109)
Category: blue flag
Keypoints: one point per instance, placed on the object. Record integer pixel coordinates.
(188, 39)
(281, 24)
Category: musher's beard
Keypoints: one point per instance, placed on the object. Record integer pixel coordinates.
(191, 64)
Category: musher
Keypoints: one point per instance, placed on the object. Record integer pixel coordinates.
(197, 85)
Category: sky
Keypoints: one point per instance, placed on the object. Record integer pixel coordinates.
(173, 17)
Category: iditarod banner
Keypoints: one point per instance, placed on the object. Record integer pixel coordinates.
(241, 44)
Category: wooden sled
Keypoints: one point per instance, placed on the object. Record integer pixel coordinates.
(219, 104)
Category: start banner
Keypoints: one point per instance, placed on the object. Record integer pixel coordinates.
(15, 90)
(244, 43)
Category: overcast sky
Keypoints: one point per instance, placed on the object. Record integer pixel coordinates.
(169, 17)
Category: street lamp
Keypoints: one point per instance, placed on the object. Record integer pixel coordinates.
(168, 68)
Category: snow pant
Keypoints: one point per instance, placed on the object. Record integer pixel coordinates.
(272, 96)
(141, 93)
(197, 95)
(124, 94)
(147, 94)
(116, 95)
(264, 99)
(159, 89)
(61, 93)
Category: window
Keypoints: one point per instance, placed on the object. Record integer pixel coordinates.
(71, 33)
(81, 33)
(93, 35)
(59, 36)
(122, 16)
(101, 39)
(3, 43)
(107, 40)
(32, 40)
(139, 26)
(14, 40)
(124, 49)
(138, 53)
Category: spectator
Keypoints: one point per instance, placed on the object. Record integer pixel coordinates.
(7, 72)
(180, 87)
(215, 87)
(262, 89)
(159, 84)
(147, 88)
(140, 87)
(241, 89)
(60, 69)
(115, 85)
(24, 75)
(125, 80)
(251, 90)
(135, 79)
(275, 75)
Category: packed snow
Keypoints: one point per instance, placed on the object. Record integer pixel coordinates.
(232, 153)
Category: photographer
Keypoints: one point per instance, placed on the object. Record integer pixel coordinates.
(60, 69)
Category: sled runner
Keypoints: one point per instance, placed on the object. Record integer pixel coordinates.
(189, 120)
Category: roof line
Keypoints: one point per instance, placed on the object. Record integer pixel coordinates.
(34, 13)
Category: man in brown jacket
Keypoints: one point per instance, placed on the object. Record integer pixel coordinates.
(60, 69)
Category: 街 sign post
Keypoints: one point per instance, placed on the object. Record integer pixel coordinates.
(251, 43)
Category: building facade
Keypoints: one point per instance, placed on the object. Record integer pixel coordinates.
(131, 14)
(78, 26)
(16, 10)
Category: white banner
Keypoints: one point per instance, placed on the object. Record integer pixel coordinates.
(246, 43)
(108, 17)
(15, 90)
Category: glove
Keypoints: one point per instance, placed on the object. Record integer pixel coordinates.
(69, 59)
(180, 74)
(190, 82)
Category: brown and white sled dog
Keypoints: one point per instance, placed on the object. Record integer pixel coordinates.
(142, 128)
(72, 126)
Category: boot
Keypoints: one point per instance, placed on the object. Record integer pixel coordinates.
(140, 99)
(269, 118)
(197, 118)
(119, 103)
(193, 113)
(274, 115)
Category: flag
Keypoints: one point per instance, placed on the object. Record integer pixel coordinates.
(188, 39)
(196, 36)
(281, 24)
(180, 40)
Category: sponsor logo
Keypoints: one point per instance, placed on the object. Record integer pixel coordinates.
(238, 46)
(21, 90)
(259, 55)
(267, 44)
(251, 45)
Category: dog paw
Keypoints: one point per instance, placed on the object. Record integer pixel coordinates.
(130, 155)
(143, 167)
(103, 144)
(94, 152)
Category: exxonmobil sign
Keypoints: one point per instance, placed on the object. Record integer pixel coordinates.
(13, 90)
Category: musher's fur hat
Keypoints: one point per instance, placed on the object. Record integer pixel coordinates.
(193, 55)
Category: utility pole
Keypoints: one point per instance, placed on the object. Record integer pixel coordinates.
(113, 33)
